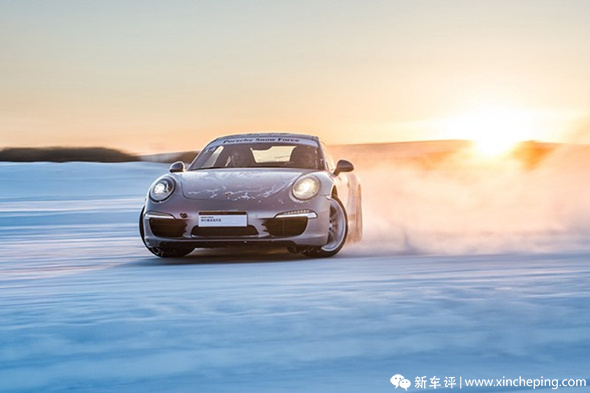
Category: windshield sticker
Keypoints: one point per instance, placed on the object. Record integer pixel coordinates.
(266, 139)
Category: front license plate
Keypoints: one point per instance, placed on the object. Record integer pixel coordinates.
(223, 219)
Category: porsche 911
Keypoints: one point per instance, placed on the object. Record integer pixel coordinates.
(264, 189)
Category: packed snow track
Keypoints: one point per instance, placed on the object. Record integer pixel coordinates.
(85, 308)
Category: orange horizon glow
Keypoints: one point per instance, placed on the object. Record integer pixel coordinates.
(494, 130)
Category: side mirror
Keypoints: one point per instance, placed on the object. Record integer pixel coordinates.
(343, 166)
(178, 166)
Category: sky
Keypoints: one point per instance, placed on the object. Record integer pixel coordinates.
(171, 75)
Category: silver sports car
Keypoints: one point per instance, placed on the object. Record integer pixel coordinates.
(271, 189)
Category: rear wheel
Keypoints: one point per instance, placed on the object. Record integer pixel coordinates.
(337, 232)
(162, 252)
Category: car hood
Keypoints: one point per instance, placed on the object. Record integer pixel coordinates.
(234, 185)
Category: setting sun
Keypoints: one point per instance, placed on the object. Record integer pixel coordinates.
(494, 130)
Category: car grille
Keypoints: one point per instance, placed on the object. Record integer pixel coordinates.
(224, 231)
(164, 227)
(287, 226)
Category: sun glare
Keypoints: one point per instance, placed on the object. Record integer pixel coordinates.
(494, 131)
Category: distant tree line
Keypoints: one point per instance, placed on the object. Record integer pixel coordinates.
(65, 154)
(87, 154)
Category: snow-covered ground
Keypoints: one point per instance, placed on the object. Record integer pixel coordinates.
(85, 308)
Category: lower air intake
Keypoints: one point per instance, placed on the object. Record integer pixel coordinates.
(225, 231)
(286, 226)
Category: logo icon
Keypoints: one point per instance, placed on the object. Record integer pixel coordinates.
(398, 380)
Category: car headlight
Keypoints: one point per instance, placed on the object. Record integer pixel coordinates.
(162, 189)
(306, 187)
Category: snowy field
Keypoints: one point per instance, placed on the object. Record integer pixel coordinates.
(462, 274)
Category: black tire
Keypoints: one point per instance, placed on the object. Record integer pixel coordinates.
(337, 232)
(168, 252)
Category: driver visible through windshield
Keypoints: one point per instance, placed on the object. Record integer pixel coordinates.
(258, 155)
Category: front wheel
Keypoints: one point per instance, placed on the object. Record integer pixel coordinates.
(168, 252)
(172, 252)
(337, 232)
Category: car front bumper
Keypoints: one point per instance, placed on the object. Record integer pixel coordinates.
(176, 223)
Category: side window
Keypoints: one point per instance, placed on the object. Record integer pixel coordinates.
(212, 158)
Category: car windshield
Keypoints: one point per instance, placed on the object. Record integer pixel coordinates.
(258, 155)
